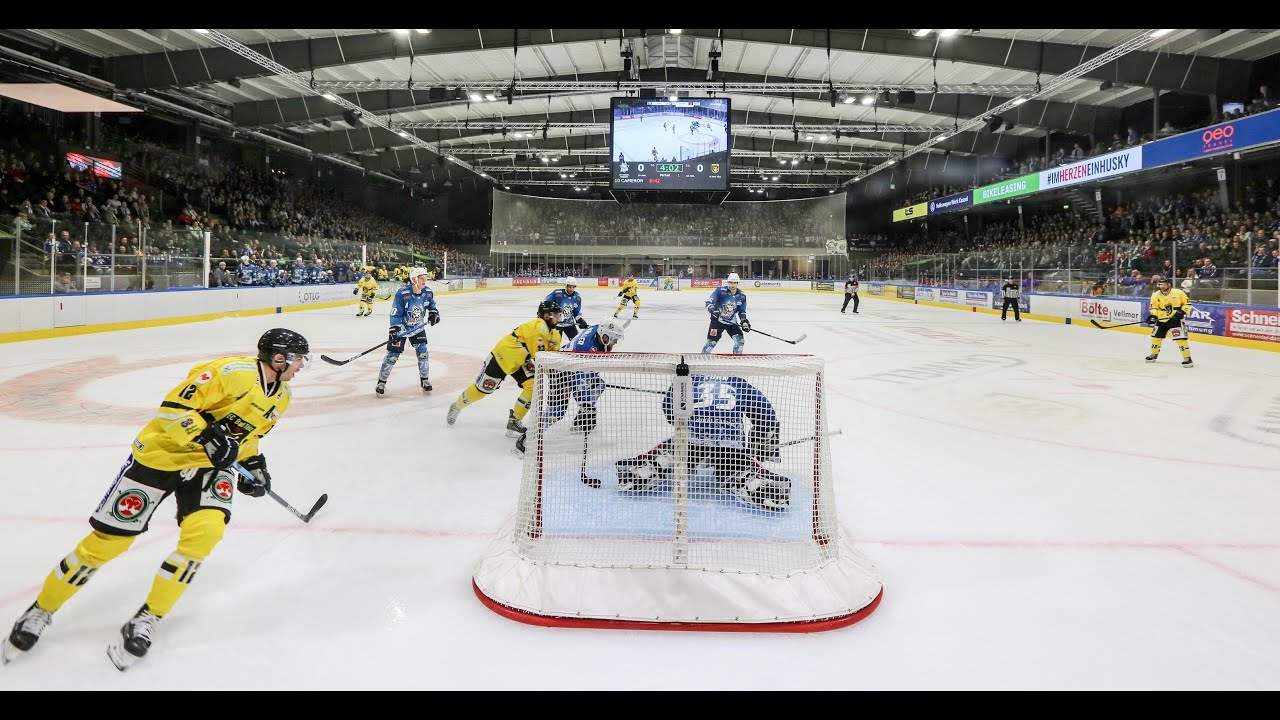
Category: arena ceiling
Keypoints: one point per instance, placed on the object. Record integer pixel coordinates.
(429, 105)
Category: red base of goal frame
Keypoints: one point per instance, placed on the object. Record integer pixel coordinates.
(806, 626)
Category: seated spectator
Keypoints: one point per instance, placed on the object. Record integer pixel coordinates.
(220, 276)
(1167, 129)
(62, 283)
(1190, 281)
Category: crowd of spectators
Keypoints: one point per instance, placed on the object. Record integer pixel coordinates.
(1082, 149)
(115, 225)
(524, 221)
(1186, 237)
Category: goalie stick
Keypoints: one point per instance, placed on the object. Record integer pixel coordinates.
(1108, 327)
(304, 518)
(380, 345)
(797, 441)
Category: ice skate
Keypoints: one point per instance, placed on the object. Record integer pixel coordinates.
(426, 385)
(1187, 363)
(135, 639)
(381, 388)
(26, 631)
(1151, 358)
(514, 428)
(454, 412)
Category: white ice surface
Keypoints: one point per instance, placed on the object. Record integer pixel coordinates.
(1047, 511)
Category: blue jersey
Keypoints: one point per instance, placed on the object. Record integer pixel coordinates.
(408, 310)
(720, 404)
(586, 387)
(570, 306)
(724, 305)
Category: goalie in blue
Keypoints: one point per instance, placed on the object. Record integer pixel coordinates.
(719, 439)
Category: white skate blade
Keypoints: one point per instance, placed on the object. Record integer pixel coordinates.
(120, 657)
(8, 652)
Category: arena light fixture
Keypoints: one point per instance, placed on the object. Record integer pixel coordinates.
(400, 32)
(947, 33)
(868, 99)
(427, 32)
(921, 33)
(329, 96)
(1161, 33)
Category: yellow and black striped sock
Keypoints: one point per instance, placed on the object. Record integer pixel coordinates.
(1185, 347)
(1155, 346)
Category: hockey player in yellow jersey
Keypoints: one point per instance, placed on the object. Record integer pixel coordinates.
(630, 291)
(1169, 307)
(204, 426)
(367, 288)
(514, 355)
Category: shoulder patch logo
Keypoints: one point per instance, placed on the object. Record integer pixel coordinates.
(204, 377)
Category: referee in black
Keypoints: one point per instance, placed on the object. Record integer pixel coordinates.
(850, 292)
(1010, 292)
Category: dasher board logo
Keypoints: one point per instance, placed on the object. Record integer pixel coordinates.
(1252, 324)
(1111, 310)
(768, 284)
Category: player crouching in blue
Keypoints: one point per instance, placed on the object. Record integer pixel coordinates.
(411, 305)
(585, 387)
(724, 304)
(719, 440)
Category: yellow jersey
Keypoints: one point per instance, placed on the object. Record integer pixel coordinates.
(367, 287)
(230, 389)
(1163, 306)
(524, 343)
(629, 288)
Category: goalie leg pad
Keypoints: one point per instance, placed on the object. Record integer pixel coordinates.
(762, 488)
(648, 471)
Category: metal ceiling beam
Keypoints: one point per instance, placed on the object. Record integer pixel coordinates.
(1178, 72)
(744, 87)
(830, 154)
(1071, 116)
(787, 169)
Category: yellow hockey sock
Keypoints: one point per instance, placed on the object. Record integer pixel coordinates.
(522, 403)
(94, 551)
(201, 531)
(1155, 345)
(1185, 347)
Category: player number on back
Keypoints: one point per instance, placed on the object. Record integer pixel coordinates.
(188, 392)
(716, 396)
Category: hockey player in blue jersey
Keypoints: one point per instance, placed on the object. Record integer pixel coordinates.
(570, 302)
(412, 305)
(723, 305)
(584, 387)
(719, 440)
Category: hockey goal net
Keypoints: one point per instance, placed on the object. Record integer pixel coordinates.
(677, 492)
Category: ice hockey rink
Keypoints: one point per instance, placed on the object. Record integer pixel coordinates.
(1046, 511)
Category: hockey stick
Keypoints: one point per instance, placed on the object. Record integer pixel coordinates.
(1108, 327)
(775, 337)
(304, 518)
(636, 389)
(380, 345)
(797, 441)
(588, 481)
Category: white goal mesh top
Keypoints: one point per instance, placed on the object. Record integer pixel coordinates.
(663, 488)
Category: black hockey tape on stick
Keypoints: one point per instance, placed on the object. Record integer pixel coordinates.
(636, 389)
(380, 345)
(304, 518)
(1108, 327)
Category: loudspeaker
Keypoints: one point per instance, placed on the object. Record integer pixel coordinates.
(994, 124)
(437, 94)
(650, 93)
(352, 119)
(906, 97)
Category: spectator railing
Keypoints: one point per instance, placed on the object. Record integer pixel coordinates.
(1101, 269)
(43, 256)
(677, 262)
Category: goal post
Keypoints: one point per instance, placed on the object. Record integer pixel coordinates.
(702, 498)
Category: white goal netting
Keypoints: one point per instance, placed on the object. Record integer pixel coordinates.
(661, 488)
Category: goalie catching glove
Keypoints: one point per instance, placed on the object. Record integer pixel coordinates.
(260, 483)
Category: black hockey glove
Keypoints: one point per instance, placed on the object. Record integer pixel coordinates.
(1151, 320)
(585, 419)
(219, 446)
(393, 333)
(355, 291)
(763, 443)
(433, 317)
(261, 481)
(582, 323)
(619, 293)
(1178, 315)
(746, 325)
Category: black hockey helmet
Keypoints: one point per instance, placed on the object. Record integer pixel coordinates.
(547, 306)
(280, 340)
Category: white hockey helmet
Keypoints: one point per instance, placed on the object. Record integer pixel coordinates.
(733, 277)
(613, 331)
(417, 272)
(571, 281)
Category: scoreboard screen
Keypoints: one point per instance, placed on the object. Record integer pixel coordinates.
(661, 144)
